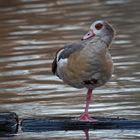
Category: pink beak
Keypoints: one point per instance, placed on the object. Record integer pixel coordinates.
(88, 35)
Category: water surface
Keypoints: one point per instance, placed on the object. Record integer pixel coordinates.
(31, 31)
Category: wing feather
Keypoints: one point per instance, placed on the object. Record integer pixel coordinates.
(64, 53)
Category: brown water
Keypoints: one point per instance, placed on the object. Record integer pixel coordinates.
(31, 31)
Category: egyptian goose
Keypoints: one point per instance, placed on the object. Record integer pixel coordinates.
(88, 63)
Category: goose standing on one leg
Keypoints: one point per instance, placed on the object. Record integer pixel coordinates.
(87, 63)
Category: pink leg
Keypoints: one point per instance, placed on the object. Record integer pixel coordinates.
(85, 115)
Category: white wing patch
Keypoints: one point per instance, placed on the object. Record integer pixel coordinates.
(60, 65)
(62, 62)
(58, 54)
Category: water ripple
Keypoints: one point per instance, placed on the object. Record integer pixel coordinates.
(32, 31)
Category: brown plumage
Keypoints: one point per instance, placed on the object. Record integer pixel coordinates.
(87, 63)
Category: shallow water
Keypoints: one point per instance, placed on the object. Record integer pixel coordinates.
(31, 31)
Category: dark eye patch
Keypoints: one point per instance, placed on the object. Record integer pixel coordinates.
(98, 26)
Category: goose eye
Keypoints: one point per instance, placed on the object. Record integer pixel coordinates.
(98, 26)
